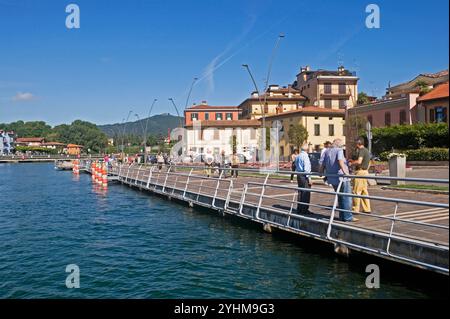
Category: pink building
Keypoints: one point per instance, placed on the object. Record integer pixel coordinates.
(388, 112)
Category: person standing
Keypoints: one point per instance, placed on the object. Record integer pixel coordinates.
(326, 146)
(234, 165)
(303, 165)
(360, 185)
(293, 168)
(334, 163)
(160, 161)
(223, 164)
(209, 161)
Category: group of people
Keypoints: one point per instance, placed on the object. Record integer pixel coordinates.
(222, 163)
(335, 167)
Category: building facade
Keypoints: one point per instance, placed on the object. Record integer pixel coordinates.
(328, 89)
(217, 136)
(275, 101)
(429, 80)
(322, 125)
(30, 141)
(389, 111)
(205, 112)
(433, 106)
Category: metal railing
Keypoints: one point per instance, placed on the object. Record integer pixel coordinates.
(267, 199)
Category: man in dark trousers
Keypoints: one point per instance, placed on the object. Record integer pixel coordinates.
(303, 165)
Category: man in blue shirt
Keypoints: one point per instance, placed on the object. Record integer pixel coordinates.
(303, 165)
(334, 163)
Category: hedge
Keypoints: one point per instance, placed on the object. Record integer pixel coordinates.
(422, 154)
(403, 137)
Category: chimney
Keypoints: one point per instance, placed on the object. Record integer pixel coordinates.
(204, 103)
(341, 69)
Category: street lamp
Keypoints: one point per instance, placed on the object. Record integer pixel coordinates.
(146, 128)
(176, 110)
(123, 131)
(190, 91)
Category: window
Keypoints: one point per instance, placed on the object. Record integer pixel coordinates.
(330, 118)
(440, 114)
(206, 116)
(342, 104)
(229, 116)
(402, 117)
(331, 129)
(342, 88)
(387, 119)
(370, 119)
(328, 103)
(281, 151)
(327, 88)
(219, 117)
(216, 134)
(316, 117)
(316, 129)
(194, 116)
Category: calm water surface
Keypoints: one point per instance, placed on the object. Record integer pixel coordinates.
(129, 244)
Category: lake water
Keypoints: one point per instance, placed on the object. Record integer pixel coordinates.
(130, 244)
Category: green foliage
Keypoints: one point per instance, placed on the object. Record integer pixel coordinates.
(422, 154)
(402, 137)
(363, 98)
(298, 135)
(79, 132)
(35, 149)
(423, 86)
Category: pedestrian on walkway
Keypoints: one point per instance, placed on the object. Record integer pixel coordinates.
(209, 162)
(234, 165)
(160, 161)
(335, 164)
(303, 166)
(326, 146)
(360, 185)
(293, 168)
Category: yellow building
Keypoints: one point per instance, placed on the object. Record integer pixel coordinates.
(327, 88)
(276, 100)
(322, 125)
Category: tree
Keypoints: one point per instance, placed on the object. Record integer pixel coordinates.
(363, 98)
(423, 86)
(298, 135)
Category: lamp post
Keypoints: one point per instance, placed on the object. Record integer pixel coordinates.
(189, 94)
(176, 110)
(146, 130)
(123, 131)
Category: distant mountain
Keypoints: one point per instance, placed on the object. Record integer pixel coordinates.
(158, 124)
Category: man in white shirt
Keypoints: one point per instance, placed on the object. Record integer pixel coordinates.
(303, 165)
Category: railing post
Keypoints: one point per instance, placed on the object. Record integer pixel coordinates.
(150, 177)
(241, 204)
(187, 183)
(263, 190)
(128, 173)
(333, 211)
(217, 190)
(227, 201)
(165, 181)
(391, 230)
(291, 209)
(137, 174)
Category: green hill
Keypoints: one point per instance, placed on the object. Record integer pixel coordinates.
(158, 124)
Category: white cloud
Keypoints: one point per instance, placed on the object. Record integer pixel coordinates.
(23, 96)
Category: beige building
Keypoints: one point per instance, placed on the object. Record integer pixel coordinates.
(430, 79)
(322, 125)
(328, 89)
(276, 100)
(216, 136)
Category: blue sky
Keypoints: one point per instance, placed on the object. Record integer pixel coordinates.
(128, 53)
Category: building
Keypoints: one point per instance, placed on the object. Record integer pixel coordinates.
(429, 79)
(217, 136)
(276, 100)
(205, 112)
(433, 106)
(54, 146)
(74, 149)
(388, 111)
(322, 124)
(328, 89)
(30, 141)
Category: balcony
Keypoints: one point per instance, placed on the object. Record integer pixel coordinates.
(335, 94)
